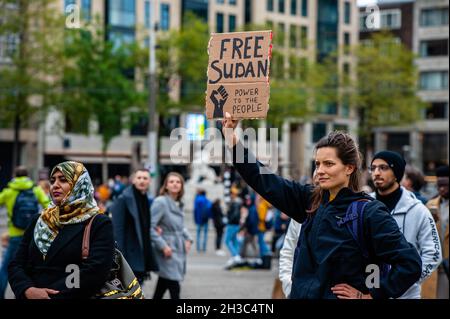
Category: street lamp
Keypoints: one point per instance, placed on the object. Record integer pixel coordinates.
(152, 114)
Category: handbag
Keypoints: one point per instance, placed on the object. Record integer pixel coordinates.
(121, 283)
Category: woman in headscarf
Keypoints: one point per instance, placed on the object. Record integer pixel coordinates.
(49, 264)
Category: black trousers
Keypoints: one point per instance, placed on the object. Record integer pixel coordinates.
(219, 235)
(164, 284)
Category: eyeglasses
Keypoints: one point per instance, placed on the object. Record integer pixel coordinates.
(381, 167)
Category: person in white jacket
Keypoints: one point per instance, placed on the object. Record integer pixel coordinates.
(413, 218)
(287, 256)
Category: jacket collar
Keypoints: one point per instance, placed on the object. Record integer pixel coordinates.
(407, 201)
(64, 237)
(172, 205)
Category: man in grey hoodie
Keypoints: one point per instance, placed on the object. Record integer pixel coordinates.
(413, 218)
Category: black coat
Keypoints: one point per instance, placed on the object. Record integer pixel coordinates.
(128, 231)
(29, 269)
(326, 253)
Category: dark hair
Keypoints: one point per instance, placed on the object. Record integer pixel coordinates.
(20, 171)
(348, 152)
(163, 189)
(142, 169)
(416, 178)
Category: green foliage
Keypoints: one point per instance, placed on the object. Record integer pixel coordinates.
(386, 86)
(182, 59)
(28, 81)
(98, 81)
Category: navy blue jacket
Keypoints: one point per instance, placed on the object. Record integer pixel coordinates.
(327, 254)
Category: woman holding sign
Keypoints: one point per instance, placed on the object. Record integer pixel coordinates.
(328, 260)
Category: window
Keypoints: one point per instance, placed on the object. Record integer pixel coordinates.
(293, 7)
(122, 13)
(219, 23)
(345, 106)
(304, 37)
(8, 45)
(165, 16)
(280, 34)
(437, 110)
(319, 131)
(232, 2)
(304, 8)
(293, 67)
(281, 6)
(435, 80)
(86, 9)
(120, 37)
(220, 1)
(434, 48)
(147, 14)
(347, 12)
(293, 36)
(391, 19)
(139, 124)
(434, 151)
(346, 69)
(270, 5)
(347, 43)
(396, 142)
(434, 17)
(232, 22)
(303, 68)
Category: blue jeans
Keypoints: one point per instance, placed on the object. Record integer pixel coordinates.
(8, 256)
(231, 239)
(201, 246)
(263, 248)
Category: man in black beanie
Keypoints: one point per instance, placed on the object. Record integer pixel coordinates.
(412, 217)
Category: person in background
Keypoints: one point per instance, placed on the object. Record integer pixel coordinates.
(171, 239)
(414, 181)
(413, 218)
(438, 285)
(219, 225)
(21, 196)
(131, 219)
(202, 214)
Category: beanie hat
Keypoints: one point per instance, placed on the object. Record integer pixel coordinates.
(395, 162)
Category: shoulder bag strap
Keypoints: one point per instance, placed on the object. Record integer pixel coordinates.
(86, 236)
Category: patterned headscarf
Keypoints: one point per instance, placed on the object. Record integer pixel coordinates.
(78, 205)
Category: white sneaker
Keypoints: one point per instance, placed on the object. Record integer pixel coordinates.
(237, 259)
(220, 252)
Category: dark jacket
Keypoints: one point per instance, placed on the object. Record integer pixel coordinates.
(128, 231)
(327, 254)
(29, 269)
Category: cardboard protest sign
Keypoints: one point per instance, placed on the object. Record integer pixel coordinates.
(238, 74)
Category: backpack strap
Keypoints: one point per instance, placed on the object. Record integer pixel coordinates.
(86, 236)
(354, 220)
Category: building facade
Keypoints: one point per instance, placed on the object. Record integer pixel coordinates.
(308, 29)
(421, 25)
(311, 30)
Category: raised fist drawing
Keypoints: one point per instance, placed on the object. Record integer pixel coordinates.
(219, 102)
